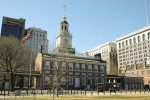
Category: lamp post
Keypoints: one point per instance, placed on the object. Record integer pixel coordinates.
(31, 61)
(85, 80)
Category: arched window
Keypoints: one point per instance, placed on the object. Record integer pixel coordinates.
(119, 45)
(65, 27)
(61, 27)
(134, 40)
(126, 42)
(123, 44)
(130, 42)
(139, 39)
(148, 35)
(143, 36)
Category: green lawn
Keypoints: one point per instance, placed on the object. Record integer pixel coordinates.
(112, 97)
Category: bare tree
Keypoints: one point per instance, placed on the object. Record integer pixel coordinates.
(51, 46)
(14, 56)
(57, 76)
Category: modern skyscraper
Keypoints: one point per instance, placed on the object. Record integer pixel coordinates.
(13, 27)
(38, 39)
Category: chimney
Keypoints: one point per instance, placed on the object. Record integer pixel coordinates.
(41, 49)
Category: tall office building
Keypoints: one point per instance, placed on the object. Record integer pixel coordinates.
(38, 39)
(133, 52)
(108, 54)
(13, 27)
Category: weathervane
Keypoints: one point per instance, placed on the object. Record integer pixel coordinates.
(64, 10)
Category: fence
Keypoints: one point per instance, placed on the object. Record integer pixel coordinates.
(35, 92)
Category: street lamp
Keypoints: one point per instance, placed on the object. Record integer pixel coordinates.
(85, 80)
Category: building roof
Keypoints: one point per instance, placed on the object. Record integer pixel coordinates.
(81, 57)
(129, 75)
(133, 33)
(64, 22)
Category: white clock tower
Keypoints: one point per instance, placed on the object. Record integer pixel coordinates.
(64, 39)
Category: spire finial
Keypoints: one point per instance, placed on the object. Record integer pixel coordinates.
(64, 10)
(64, 17)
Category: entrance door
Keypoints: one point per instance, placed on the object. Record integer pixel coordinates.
(77, 82)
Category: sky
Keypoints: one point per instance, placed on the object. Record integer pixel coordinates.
(91, 22)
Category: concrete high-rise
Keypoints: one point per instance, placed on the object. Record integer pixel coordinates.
(133, 52)
(38, 39)
(109, 54)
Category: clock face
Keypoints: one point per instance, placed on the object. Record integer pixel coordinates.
(66, 41)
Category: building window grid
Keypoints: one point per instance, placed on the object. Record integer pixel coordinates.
(134, 40)
(47, 65)
(83, 81)
(96, 68)
(70, 66)
(89, 67)
(130, 41)
(96, 81)
(83, 67)
(7, 76)
(1, 76)
(148, 35)
(70, 81)
(143, 37)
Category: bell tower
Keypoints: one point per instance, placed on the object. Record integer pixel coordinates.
(64, 38)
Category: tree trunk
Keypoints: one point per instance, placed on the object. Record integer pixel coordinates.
(11, 81)
(57, 91)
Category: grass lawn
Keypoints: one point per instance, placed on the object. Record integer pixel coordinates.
(112, 97)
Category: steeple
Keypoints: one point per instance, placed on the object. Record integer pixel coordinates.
(64, 38)
(64, 26)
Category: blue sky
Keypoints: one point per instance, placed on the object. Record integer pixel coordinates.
(92, 22)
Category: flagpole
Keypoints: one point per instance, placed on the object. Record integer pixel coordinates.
(30, 63)
(146, 12)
